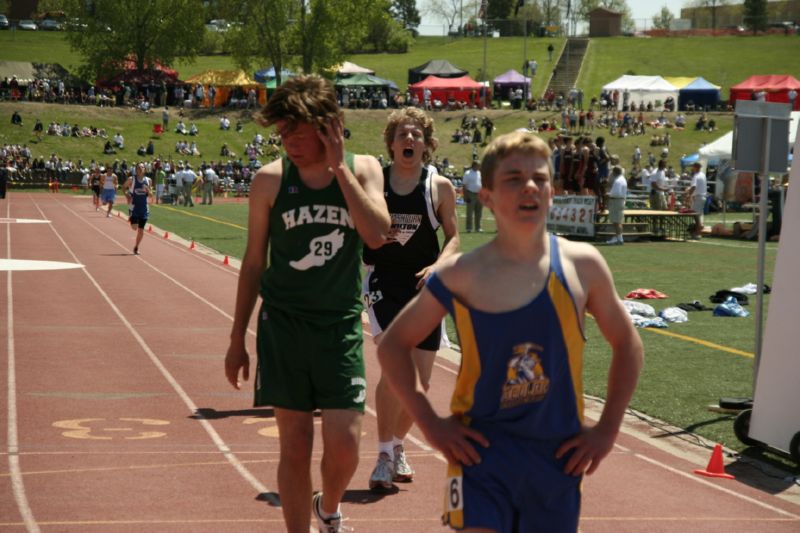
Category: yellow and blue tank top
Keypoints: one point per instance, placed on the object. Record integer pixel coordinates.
(521, 370)
(314, 252)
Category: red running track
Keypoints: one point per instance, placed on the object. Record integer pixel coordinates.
(118, 416)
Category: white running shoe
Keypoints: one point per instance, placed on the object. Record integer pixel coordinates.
(381, 478)
(403, 473)
(332, 524)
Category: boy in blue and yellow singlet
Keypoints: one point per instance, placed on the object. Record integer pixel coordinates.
(516, 442)
(311, 209)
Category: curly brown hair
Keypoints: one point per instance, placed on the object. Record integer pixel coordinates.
(415, 115)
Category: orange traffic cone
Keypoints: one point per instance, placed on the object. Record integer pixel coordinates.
(716, 467)
(166, 235)
(225, 261)
(192, 246)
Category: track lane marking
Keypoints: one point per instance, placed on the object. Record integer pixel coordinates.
(12, 425)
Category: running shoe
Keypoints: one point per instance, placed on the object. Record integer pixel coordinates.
(135, 250)
(381, 478)
(403, 473)
(332, 524)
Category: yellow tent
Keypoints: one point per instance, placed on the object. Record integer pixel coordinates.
(228, 83)
(679, 81)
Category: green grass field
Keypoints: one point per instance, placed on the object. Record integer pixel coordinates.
(684, 373)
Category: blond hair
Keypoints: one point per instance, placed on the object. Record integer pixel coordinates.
(505, 145)
(417, 116)
(306, 98)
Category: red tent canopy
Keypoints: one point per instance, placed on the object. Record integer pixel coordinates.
(463, 89)
(777, 87)
(150, 76)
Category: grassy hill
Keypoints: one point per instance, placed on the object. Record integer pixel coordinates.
(724, 60)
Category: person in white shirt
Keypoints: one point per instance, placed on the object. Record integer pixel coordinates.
(696, 194)
(471, 184)
(210, 180)
(119, 141)
(658, 187)
(188, 178)
(616, 203)
(224, 123)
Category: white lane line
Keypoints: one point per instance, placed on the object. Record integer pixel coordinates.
(17, 484)
(206, 424)
(715, 486)
(161, 272)
(7, 265)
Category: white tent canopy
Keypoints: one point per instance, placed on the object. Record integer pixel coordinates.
(347, 68)
(721, 150)
(643, 90)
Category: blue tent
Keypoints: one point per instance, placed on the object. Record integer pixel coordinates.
(702, 93)
(266, 74)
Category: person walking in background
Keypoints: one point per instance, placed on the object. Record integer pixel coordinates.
(516, 444)
(420, 201)
(310, 340)
(137, 191)
(616, 204)
(110, 184)
(695, 196)
(94, 184)
(550, 49)
(471, 184)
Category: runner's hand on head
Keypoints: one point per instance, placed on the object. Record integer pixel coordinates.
(332, 137)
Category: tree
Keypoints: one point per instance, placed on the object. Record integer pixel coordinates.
(405, 12)
(317, 34)
(385, 33)
(144, 31)
(452, 10)
(755, 15)
(264, 34)
(712, 5)
(499, 9)
(662, 20)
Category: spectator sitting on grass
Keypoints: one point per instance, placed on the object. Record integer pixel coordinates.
(108, 149)
(151, 148)
(16, 119)
(239, 126)
(119, 141)
(224, 123)
(193, 130)
(193, 150)
(141, 150)
(181, 128)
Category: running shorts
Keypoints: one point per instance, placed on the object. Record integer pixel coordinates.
(303, 366)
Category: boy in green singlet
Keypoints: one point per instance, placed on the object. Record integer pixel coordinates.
(312, 209)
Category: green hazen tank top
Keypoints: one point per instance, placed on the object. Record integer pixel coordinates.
(314, 252)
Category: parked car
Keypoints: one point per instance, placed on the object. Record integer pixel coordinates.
(27, 24)
(3, 22)
(51, 25)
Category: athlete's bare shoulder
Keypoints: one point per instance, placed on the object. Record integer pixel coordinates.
(266, 182)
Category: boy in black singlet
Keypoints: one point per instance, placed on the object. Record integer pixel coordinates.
(420, 201)
(311, 209)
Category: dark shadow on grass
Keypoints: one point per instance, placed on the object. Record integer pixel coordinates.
(765, 470)
(690, 429)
